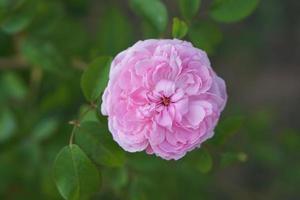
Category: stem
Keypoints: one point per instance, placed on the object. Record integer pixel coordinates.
(76, 123)
(72, 135)
(14, 62)
(91, 107)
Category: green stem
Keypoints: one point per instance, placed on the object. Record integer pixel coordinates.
(76, 123)
(72, 135)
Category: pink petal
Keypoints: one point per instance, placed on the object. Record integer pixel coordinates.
(164, 119)
(157, 135)
(179, 94)
(165, 87)
(196, 113)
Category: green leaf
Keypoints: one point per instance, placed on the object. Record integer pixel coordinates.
(7, 7)
(112, 23)
(95, 78)
(43, 54)
(98, 144)
(88, 114)
(154, 11)
(78, 7)
(7, 124)
(44, 129)
(76, 177)
(189, 8)
(47, 185)
(10, 5)
(12, 86)
(19, 18)
(232, 10)
(204, 161)
(6, 44)
(149, 31)
(50, 16)
(205, 35)
(71, 45)
(179, 29)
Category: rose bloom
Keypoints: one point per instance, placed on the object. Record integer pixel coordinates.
(163, 97)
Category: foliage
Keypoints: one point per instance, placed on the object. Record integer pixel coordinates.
(94, 139)
(54, 144)
(179, 28)
(75, 175)
(232, 10)
(189, 8)
(153, 11)
(91, 84)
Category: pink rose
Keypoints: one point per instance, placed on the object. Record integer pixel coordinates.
(163, 97)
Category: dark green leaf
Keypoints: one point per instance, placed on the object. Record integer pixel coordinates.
(7, 124)
(232, 10)
(112, 24)
(88, 114)
(42, 54)
(47, 185)
(50, 15)
(179, 29)
(75, 175)
(19, 18)
(95, 78)
(10, 5)
(205, 35)
(149, 31)
(12, 86)
(71, 45)
(78, 7)
(98, 144)
(6, 44)
(154, 11)
(189, 8)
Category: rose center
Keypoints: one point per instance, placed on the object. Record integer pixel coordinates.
(166, 101)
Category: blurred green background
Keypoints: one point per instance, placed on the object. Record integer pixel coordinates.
(46, 44)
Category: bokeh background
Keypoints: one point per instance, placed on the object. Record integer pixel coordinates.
(46, 44)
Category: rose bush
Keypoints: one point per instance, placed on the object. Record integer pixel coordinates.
(163, 97)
